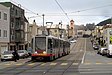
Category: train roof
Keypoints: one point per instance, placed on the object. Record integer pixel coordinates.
(50, 36)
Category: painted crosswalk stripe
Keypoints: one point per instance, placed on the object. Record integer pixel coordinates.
(87, 63)
(64, 64)
(31, 64)
(7, 64)
(53, 63)
(43, 64)
(98, 63)
(18, 64)
(75, 64)
(109, 63)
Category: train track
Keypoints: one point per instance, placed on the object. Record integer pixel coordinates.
(76, 55)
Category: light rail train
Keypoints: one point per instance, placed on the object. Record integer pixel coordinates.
(49, 48)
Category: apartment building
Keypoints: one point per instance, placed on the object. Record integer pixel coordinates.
(4, 28)
(17, 26)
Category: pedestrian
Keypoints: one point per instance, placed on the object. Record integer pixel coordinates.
(15, 55)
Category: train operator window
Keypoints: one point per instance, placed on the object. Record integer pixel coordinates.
(49, 43)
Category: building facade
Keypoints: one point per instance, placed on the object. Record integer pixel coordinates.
(33, 30)
(4, 28)
(17, 26)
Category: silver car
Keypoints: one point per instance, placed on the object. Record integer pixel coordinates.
(23, 53)
(7, 55)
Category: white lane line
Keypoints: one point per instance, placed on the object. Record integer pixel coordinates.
(83, 58)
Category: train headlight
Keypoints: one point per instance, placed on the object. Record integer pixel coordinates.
(44, 52)
(36, 52)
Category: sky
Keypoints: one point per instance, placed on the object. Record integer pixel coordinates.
(81, 11)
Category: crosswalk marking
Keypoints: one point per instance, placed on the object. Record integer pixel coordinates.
(109, 63)
(64, 64)
(43, 64)
(75, 64)
(18, 64)
(98, 63)
(87, 63)
(53, 63)
(31, 64)
(7, 64)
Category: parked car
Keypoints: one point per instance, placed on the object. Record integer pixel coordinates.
(23, 53)
(100, 51)
(96, 46)
(104, 52)
(7, 55)
(30, 51)
(73, 41)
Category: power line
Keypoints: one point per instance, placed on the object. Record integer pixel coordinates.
(92, 8)
(25, 8)
(81, 15)
(62, 9)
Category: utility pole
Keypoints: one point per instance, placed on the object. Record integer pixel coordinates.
(43, 30)
(68, 30)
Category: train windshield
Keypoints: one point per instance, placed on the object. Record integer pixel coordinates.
(40, 43)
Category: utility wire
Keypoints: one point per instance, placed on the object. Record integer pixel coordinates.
(92, 8)
(24, 8)
(62, 9)
(81, 15)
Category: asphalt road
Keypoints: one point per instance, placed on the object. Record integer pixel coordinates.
(82, 60)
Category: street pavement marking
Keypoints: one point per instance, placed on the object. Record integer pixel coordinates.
(98, 63)
(53, 63)
(18, 64)
(63, 64)
(87, 63)
(31, 64)
(75, 64)
(7, 64)
(43, 64)
(109, 63)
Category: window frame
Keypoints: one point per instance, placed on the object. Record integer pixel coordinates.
(5, 16)
(0, 15)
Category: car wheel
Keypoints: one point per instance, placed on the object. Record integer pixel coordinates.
(2, 60)
(108, 55)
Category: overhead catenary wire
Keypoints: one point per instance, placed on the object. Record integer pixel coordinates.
(25, 8)
(92, 8)
(62, 9)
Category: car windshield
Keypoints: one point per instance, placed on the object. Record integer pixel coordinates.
(8, 52)
(21, 51)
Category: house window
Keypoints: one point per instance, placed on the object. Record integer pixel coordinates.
(12, 37)
(5, 33)
(5, 16)
(0, 15)
(0, 32)
(12, 25)
(55, 31)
